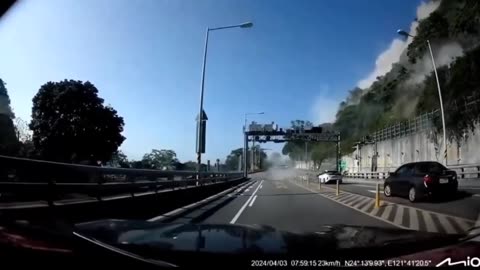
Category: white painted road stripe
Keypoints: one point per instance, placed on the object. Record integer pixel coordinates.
(181, 209)
(429, 222)
(367, 206)
(399, 214)
(245, 205)
(446, 224)
(413, 219)
(372, 214)
(387, 211)
(251, 203)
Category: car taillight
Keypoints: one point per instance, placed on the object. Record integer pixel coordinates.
(427, 179)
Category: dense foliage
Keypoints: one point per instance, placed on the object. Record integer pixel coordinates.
(8, 140)
(70, 123)
(233, 159)
(408, 90)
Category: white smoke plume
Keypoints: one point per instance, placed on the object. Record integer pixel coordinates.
(444, 55)
(324, 107)
(392, 54)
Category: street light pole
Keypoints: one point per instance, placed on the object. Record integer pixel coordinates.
(406, 34)
(441, 103)
(201, 125)
(200, 140)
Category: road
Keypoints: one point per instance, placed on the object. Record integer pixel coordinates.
(465, 204)
(287, 203)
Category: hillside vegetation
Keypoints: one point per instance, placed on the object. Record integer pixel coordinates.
(409, 88)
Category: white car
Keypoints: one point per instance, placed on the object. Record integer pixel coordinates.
(330, 177)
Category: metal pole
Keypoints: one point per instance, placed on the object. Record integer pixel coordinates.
(245, 147)
(240, 160)
(200, 114)
(338, 153)
(441, 102)
(252, 162)
(377, 196)
(337, 191)
(306, 155)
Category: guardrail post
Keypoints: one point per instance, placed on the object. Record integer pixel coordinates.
(478, 171)
(319, 184)
(463, 172)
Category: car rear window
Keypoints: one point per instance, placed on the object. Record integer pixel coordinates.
(432, 168)
(332, 172)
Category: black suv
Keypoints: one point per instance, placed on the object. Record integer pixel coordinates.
(421, 179)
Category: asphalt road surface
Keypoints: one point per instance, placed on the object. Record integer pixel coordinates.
(280, 203)
(287, 202)
(466, 203)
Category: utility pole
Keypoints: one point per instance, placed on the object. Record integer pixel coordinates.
(252, 152)
(338, 153)
(306, 155)
(240, 157)
(245, 149)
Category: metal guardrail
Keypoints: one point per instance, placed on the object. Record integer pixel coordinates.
(50, 180)
(411, 126)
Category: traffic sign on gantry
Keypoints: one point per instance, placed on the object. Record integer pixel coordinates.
(272, 133)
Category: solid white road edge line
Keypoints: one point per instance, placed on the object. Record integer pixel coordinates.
(251, 203)
(234, 219)
(181, 209)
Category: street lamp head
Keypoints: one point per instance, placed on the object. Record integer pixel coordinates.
(403, 33)
(246, 25)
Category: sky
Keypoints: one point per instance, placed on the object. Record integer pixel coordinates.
(298, 61)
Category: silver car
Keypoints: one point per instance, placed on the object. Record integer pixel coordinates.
(330, 177)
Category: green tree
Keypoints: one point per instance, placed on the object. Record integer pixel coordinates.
(119, 159)
(232, 160)
(8, 139)
(70, 123)
(160, 159)
(187, 166)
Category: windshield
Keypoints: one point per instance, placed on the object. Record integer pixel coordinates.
(288, 115)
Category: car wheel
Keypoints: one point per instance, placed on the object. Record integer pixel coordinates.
(412, 194)
(387, 191)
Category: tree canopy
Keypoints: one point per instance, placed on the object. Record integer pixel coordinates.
(233, 159)
(8, 139)
(70, 123)
(160, 159)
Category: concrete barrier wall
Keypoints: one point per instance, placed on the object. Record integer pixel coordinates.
(422, 146)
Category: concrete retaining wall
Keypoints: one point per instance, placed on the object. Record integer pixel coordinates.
(422, 146)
